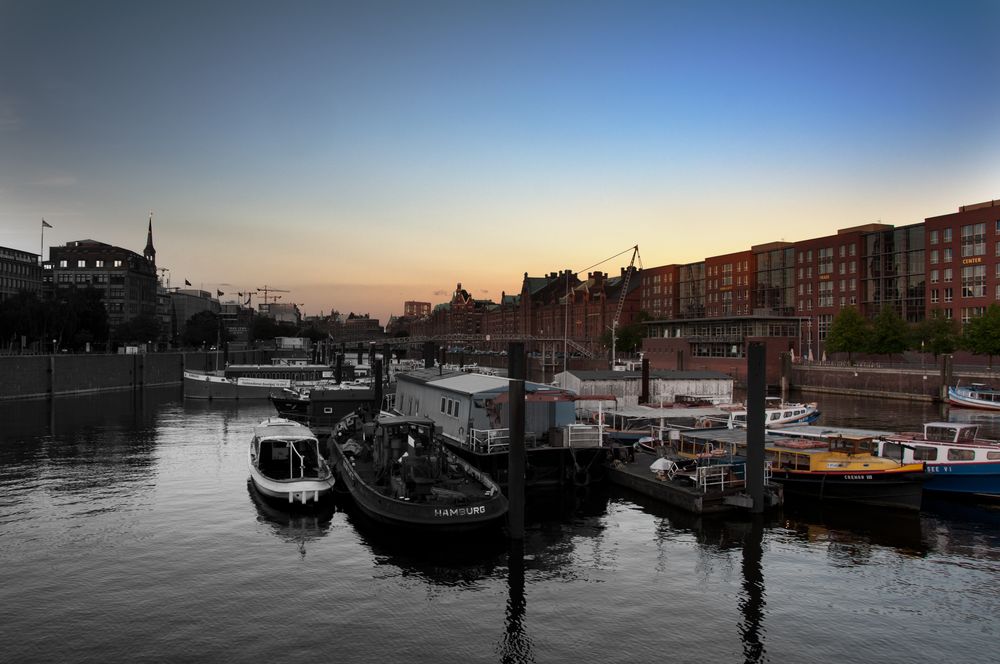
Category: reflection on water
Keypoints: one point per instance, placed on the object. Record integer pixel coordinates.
(129, 529)
(751, 600)
(293, 523)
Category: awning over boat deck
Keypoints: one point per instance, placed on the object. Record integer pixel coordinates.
(394, 420)
(652, 413)
(822, 433)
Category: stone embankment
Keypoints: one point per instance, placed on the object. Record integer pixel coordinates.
(917, 383)
(42, 376)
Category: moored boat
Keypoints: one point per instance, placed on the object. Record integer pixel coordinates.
(399, 473)
(286, 463)
(975, 395)
(957, 460)
(777, 414)
(844, 469)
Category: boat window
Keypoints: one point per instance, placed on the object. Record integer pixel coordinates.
(787, 413)
(967, 434)
(739, 418)
(443, 402)
(939, 433)
(775, 416)
(961, 455)
(924, 453)
(993, 456)
(891, 451)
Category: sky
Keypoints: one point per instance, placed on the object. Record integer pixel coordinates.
(360, 154)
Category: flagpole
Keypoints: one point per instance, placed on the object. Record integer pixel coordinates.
(41, 245)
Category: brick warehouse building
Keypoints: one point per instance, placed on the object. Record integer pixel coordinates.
(784, 294)
(949, 263)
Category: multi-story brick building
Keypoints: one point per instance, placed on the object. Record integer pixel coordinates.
(414, 309)
(127, 281)
(729, 283)
(658, 292)
(963, 261)
(19, 271)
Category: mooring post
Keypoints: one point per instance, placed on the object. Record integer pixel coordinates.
(338, 371)
(377, 384)
(386, 358)
(361, 354)
(947, 376)
(644, 393)
(428, 354)
(786, 375)
(515, 458)
(756, 389)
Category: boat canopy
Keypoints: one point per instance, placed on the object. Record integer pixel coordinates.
(951, 432)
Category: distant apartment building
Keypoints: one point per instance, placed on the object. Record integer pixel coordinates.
(414, 309)
(962, 261)
(190, 301)
(127, 281)
(19, 271)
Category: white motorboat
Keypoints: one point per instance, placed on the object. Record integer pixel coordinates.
(286, 463)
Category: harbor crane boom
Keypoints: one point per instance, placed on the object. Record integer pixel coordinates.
(621, 302)
(267, 289)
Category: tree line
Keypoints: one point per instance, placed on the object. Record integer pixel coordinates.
(77, 317)
(889, 334)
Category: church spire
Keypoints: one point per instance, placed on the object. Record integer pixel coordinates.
(149, 252)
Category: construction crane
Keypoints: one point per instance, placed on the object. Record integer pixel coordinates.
(621, 302)
(267, 289)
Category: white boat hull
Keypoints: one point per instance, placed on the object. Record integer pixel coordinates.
(302, 491)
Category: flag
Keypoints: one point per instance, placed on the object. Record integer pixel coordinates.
(46, 224)
(187, 283)
(219, 293)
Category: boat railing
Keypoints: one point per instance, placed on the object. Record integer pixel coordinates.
(488, 441)
(291, 462)
(723, 476)
(583, 435)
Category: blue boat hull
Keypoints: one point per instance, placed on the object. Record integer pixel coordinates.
(966, 478)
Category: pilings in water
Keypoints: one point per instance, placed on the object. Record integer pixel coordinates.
(516, 370)
(756, 393)
(377, 383)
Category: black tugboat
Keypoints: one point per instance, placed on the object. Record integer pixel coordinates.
(399, 473)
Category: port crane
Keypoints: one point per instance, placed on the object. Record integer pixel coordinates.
(621, 301)
(267, 289)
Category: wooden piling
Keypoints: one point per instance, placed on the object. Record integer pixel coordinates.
(756, 393)
(516, 370)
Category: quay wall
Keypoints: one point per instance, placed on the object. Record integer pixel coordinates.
(928, 383)
(42, 376)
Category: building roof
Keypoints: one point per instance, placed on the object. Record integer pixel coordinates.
(465, 383)
(662, 374)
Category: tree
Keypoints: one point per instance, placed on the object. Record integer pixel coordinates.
(849, 333)
(982, 334)
(22, 315)
(889, 333)
(142, 328)
(205, 327)
(265, 328)
(937, 334)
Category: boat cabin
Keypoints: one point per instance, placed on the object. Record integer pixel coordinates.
(951, 432)
(466, 405)
(284, 450)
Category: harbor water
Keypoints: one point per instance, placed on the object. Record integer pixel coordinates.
(129, 532)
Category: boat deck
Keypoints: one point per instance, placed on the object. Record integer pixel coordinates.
(681, 491)
(452, 487)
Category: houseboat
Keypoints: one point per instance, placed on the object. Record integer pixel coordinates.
(473, 411)
(254, 381)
